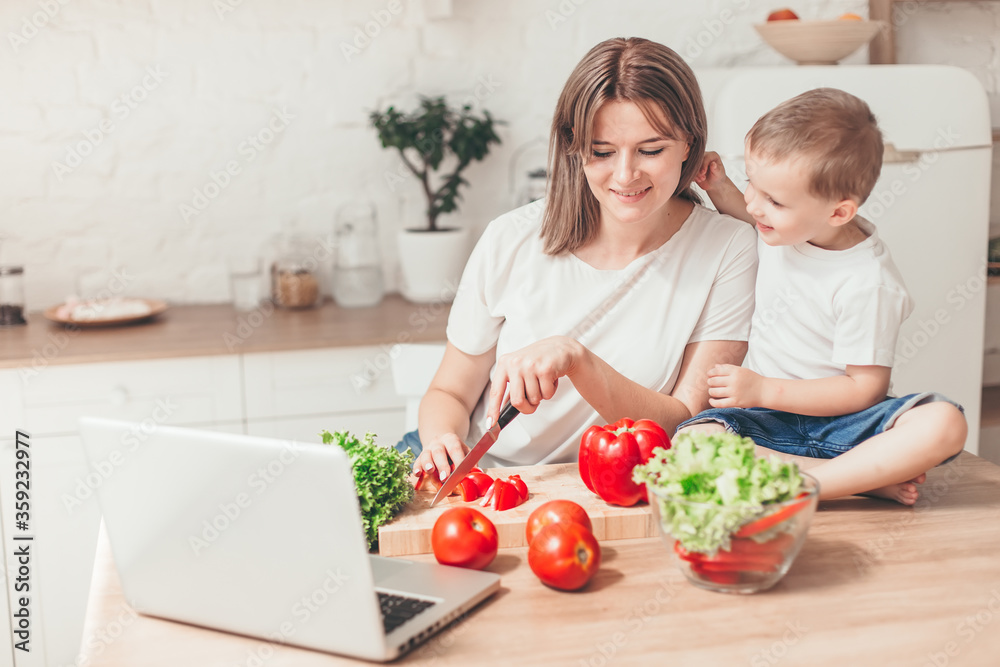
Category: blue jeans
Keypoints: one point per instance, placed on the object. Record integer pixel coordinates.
(815, 437)
(412, 442)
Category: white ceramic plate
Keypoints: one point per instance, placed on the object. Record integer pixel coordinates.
(150, 308)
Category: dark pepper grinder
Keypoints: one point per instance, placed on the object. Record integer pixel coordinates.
(12, 295)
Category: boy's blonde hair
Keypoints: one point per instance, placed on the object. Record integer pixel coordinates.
(834, 132)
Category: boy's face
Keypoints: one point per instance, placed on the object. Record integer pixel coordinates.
(785, 212)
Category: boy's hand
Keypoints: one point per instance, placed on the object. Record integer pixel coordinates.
(712, 173)
(732, 386)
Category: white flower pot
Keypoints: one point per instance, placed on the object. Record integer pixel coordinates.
(432, 263)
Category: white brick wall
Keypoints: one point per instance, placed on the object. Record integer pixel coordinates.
(224, 77)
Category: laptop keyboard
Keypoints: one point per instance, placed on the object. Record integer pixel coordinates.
(397, 609)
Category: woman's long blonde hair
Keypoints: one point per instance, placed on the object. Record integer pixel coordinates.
(651, 76)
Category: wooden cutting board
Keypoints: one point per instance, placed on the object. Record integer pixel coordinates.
(410, 531)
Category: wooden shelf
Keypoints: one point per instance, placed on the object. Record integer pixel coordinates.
(882, 50)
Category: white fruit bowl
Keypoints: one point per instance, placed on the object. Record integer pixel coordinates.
(818, 42)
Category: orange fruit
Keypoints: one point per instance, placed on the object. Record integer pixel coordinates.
(850, 16)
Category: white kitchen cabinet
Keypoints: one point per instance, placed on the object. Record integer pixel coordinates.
(187, 391)
(296, 394)
(387, 425)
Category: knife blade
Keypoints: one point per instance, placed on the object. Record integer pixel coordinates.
(476, 453)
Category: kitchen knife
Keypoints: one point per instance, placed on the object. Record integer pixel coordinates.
(472, 458)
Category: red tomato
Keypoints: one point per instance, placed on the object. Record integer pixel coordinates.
(481, 479)
(564, 555)
(522, 488)
(555, 511)
(462, 536)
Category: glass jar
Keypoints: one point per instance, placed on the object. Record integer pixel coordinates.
(12, 295)
(357, 273)
(295, 274)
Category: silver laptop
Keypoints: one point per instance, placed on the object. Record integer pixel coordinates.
(264, 538)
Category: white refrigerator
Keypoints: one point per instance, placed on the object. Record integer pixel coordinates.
(930, 206)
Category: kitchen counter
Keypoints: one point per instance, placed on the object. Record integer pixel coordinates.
(189, 331)
(876, 584)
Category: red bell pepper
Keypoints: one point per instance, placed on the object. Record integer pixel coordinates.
(608, 454)
(771, 520)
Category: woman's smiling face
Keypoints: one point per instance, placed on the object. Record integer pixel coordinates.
(633, 170)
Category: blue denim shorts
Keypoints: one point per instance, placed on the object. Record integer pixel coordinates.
(410, 441)
(815, 437)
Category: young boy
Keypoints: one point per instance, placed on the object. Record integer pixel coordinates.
(829, 304)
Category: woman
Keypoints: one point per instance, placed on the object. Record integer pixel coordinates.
(619, 282)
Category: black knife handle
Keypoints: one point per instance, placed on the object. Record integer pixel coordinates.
(507, 414)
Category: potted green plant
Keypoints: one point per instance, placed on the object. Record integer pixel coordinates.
(436, 142)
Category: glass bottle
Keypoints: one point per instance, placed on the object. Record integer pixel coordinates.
(12, 295)
(357, 272)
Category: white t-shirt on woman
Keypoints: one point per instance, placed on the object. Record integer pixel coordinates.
(698, 286)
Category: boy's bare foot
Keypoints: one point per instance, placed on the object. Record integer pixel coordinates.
(905, 493)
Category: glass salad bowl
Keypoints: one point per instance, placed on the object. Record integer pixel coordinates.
(734, 548)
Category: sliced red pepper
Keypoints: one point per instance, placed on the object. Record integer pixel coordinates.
(773, 519)
(736, 566)
(742, 557)
(715, 576)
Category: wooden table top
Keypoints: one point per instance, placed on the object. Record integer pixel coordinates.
(875, 584)
(189, 331)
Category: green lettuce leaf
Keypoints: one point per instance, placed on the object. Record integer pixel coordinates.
(380, 476)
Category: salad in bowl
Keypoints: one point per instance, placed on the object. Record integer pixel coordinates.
(734, 521)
